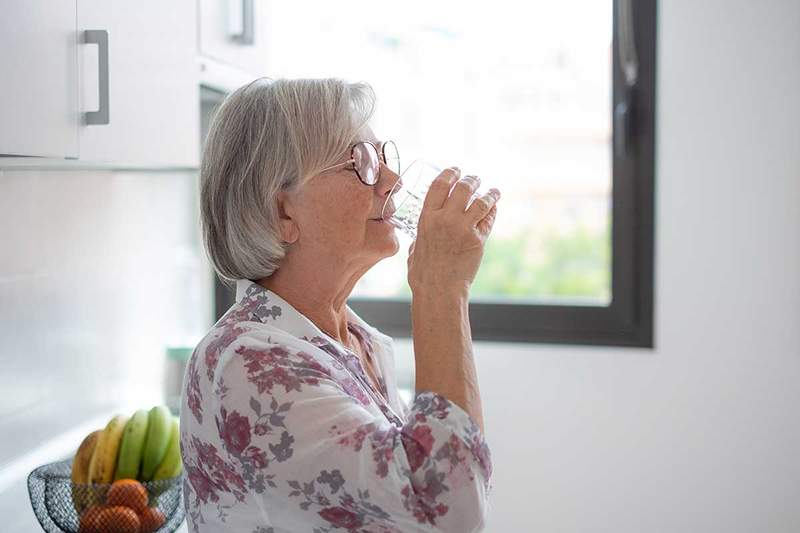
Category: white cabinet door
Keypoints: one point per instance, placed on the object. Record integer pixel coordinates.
(153, 84)
(38, 79)
(235, 32)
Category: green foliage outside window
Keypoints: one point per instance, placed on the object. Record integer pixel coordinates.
(576, 264)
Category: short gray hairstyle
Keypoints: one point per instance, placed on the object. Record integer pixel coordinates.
(268, 136)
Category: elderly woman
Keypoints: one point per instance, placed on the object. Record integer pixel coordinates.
(290, 417)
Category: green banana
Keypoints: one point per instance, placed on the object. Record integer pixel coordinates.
(171, 466)
(132, 446)
(159, 428)
(104, 458)
(80, 470)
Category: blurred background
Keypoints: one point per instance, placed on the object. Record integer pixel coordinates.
(105, 287)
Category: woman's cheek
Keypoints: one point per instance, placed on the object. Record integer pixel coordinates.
(349, 226)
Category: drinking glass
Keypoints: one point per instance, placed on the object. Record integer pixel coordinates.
(404, 203)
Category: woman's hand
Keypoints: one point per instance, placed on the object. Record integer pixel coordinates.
(450, 238)
(442, 264)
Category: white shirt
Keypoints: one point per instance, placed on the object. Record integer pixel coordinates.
(282, 431)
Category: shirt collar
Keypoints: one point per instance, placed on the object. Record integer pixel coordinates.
(268, 307)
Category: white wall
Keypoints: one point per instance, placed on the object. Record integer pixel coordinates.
(99, 272)
(701, 434)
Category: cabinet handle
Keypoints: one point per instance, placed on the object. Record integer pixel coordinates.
(248, 35)
(100, 38)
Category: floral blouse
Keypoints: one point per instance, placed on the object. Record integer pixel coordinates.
(282, 431)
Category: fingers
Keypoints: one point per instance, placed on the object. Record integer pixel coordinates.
(486, 223)
(462, 192)
(481, 206)
(440, 188)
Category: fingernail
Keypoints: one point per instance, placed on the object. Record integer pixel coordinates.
(494, 192)
(453, 175)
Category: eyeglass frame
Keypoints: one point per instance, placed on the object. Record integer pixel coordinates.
(381, 153)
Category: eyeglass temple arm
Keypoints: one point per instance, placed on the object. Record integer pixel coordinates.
(351, 160)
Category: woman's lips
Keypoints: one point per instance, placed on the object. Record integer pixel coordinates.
(382, 221)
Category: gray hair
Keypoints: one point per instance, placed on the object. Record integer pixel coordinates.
(268, 136)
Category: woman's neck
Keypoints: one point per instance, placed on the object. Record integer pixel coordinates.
(320, 295)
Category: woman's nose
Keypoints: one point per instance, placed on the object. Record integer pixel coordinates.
(387, 181)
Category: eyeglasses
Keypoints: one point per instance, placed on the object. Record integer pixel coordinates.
(366, 162)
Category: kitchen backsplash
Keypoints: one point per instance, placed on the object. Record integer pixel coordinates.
(99, 271)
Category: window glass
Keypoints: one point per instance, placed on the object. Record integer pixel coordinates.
(518, 93)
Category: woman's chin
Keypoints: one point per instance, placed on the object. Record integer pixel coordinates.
(391, 247)
(385, 244)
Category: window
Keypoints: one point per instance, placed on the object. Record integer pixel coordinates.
(533, 98)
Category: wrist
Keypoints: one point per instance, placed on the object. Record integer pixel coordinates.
(450, 289)
(450, 295)
(440, 304)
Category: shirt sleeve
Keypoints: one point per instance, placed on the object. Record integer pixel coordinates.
(320, 454)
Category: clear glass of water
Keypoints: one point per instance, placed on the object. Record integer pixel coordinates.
(404, 203)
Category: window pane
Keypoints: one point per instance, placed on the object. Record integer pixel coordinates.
(519, 94)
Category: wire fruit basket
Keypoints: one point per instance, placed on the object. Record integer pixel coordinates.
(129, 507)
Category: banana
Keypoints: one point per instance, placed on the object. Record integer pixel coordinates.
(159, 428)
(104, 458)
(129, 458)
(80, 470)
(171, 466)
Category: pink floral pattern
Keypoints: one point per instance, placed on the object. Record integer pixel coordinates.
(281, 430)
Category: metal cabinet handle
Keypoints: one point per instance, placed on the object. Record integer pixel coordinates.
(248, 35)
(100, 38)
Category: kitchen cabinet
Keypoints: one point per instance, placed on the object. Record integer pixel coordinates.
(110, 83)
(39, 86)
(234, 32)
(152, 83)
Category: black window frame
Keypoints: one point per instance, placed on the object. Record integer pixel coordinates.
(628, 319)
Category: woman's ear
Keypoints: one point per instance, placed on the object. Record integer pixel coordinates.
(289, 229)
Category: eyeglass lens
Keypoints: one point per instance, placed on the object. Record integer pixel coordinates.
(391, 157)
(366, 162)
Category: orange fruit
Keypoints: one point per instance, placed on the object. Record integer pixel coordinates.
(88, 520)
(152, 519)
(128, 492)
(118, 519)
